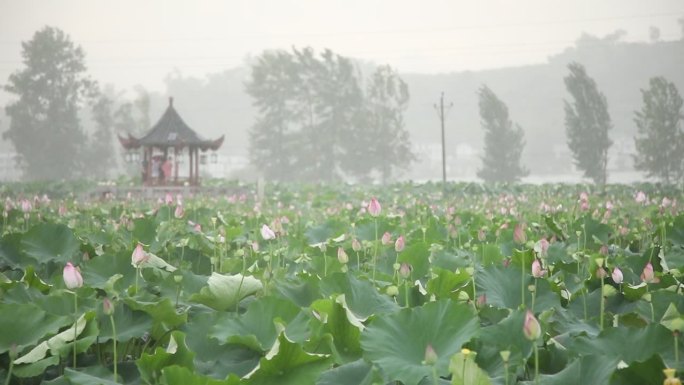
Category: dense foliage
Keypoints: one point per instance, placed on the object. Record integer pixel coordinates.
(316, 122)
(321, 285)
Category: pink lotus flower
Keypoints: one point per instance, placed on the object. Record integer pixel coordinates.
(647, 275)
(374, 208)
(531, 327)
(399, 244)
(139, 255)
(356, 245)
(267, 233)
(640, 197)
(519, 235)
(26, 206)
(386, 238)
(168, 199)
(542, 247)
(179, 213)
(342, 256)
(72, 277)
(537, 271)
(666, 202)
(617, 275)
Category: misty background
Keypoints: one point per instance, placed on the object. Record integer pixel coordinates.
(201, 53)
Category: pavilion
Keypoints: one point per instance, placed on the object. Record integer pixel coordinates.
(169, 140)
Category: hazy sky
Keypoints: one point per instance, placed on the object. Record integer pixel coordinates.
(129, 42)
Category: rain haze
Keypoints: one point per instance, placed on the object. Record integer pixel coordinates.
(202, 54)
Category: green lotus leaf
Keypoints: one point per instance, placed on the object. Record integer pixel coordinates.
(287, 364)
(34, 324)
(129, 324)
(98, 272)
(35, 368)
(223, 292)
(54, 343)
(163, 313)
(619, 343)
(639, 373)
(464, 370)
(332, 318)
(503, 288)
(49, 242)
(302, 290)
(361, 296)
(397, 342)
(257, 328)
(176, 353)
(10, 251)
(178, 375)
(358, 372)
(100, 376)
(144, 230)
(214, 359)
(592, 369)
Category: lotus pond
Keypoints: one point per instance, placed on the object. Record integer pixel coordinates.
(345, 285)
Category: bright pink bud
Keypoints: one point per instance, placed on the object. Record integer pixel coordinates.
(139, 255)
(647, 275)
(374, 207)
(519, 235)
(356, 245)
(179, 211)
(267, 233)
(386, 238)
(399, 244)
(617, 275)
(531, 327)
(72, 277)
(342, 256)
(537, 271)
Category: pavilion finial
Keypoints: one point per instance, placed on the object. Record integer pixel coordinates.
(171, 101)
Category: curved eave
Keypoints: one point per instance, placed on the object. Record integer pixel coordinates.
(212, 144)
(130, 142)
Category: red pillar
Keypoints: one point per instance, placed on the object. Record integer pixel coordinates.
(190, 163)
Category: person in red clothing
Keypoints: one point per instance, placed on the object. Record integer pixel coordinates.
(166, 170)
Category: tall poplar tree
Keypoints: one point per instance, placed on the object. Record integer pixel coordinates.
(504, 141)
(587, 123)
(660, 140)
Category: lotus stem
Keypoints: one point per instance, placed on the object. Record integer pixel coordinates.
(435, 377)
(676, 346)
(111, 319)
(522, 280)
(603, 305)
(536, 363)
(406, 293)
(75, 326)
(375, 253)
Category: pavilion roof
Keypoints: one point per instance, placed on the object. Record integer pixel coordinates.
(171, 131)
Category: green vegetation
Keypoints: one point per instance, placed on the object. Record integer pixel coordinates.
(490, 285)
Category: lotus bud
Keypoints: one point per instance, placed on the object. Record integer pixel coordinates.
(342, 256)
(640, 197)
(267, 233)
(505, 355)
(72, 277)
(430, 356)
(405, 270)
(178, 278)
(168, 199)
(519, 235)
(386, 238)
(179, 211)
(537, 271)
(392, 291)
(107, 306)
(617, 275)
(531, 327)
(139, 255)
(356, 245)
(399, 244)
(374, 207)
(647, 274)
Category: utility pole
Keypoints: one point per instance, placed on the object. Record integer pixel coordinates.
(440, 112)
